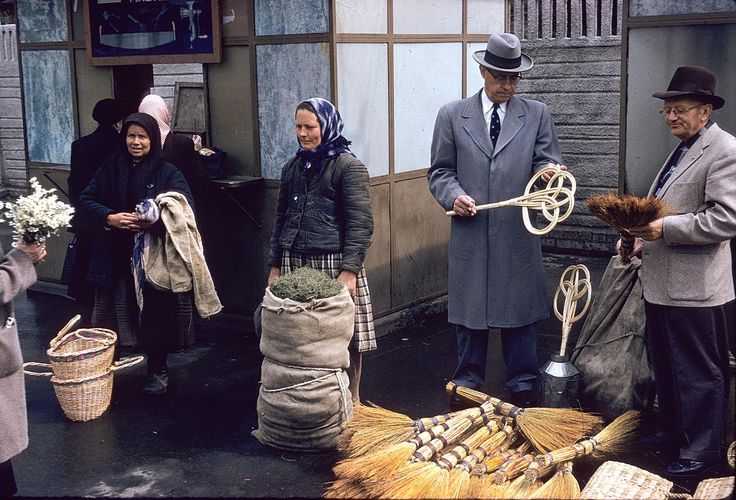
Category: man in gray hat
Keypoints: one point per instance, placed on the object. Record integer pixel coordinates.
(485, 149)
(686, 276)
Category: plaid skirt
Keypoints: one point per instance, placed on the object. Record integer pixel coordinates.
(364, 334)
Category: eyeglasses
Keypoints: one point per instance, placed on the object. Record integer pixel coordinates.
(505, 78)
(677, 111)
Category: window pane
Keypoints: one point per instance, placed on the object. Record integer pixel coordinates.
(48, 104)
(361, 16)
(427, 75)
(362, 85)
(274, 17)
(474, 81)
(428, 16)
(670, 8)
(41, 21)
(486, 16)
(287, 74)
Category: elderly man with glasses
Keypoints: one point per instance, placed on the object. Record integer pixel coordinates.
(686, 276)
(485, 149)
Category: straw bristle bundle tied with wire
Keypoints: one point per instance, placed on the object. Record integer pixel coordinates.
(626, 212)
(464, 454)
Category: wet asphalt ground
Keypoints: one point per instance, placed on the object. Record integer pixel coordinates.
(195, 441)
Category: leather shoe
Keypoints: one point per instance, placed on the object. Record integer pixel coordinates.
(524, 399)
(659, 440)
(683, 468)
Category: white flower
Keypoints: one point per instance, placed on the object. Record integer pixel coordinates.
(37, 215)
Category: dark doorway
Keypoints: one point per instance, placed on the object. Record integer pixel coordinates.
(131, 83)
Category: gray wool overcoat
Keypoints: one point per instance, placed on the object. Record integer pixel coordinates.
(495, 274)
(16, 274)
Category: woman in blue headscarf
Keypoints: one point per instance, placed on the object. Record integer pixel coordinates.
(324, 218)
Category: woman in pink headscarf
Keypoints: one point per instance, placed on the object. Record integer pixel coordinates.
(180, 150)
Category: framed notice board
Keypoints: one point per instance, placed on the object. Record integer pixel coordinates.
(149, 31)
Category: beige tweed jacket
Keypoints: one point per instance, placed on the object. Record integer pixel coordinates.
(691, 265)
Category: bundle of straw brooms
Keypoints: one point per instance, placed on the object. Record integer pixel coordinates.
(493, 450)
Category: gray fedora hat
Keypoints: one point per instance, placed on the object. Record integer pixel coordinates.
(503, 53)
(693, 81)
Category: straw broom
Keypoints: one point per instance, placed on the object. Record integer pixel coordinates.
(546, 428)
(422, 478)
(562, 485)
(526, 484)
(435, 482)
(513, 468)
(374, 427)
(383, 463)
(460, 478)
(477, 471)
(625, 213)
(615, 438)
(484, 485)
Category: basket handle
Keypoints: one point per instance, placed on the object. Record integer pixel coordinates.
(125, 363)
(32, 364)
(64, 330)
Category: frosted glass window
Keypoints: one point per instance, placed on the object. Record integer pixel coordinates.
(426, 76)
(361, 16)
(287, 74)
(670, 8)
(41, 21)
(48, 105)
(362, 86)
(278, 17)
(474, 80)
(486, 16)
(428, 16)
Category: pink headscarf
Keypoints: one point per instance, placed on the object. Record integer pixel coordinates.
(155, 106)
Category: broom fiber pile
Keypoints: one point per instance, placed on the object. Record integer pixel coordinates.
(482, 452)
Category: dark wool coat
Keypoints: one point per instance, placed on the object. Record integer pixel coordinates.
(327, 212)
(16, 274)
(496, 274)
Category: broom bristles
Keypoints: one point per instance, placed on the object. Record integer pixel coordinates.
(521, 487)
(404, 483)
(372, 427)
(344, 488)
(562, 485)
(618, 436)
(552, 428)
(381, 465)
(627, 211)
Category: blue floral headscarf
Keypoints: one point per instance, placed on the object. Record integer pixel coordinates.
(330, 125)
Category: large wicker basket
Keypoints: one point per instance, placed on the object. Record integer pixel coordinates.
(715, 489)
(83, 353)
(615, 480)
(85, 398)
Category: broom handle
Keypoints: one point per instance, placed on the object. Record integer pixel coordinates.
(579, 449)
(573, 288)
(479, 453)
(461, 450)
(500, 407)
(457, 427)
(64, 330)
(423, 424)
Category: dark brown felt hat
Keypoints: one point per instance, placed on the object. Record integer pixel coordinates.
(693, 81)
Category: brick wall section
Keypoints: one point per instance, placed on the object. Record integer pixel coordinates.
(576, 73)
(165, 77)
(12, 148)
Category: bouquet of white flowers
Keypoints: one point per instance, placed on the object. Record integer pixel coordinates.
(38, 215)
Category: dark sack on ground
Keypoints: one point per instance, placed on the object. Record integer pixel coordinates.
(611, 351)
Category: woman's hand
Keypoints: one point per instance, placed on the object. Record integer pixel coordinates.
(36, 251)
(545, 177)
(124, 220)
(274, 273)
(349, 279)
(636, 249)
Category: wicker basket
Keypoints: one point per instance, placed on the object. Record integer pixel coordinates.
(731, 455)
(85, 398)
(83, 353)
(615, 480)
(715, 489)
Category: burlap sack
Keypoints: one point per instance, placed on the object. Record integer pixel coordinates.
(303, 409)
(611, 351)
(308, 334)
